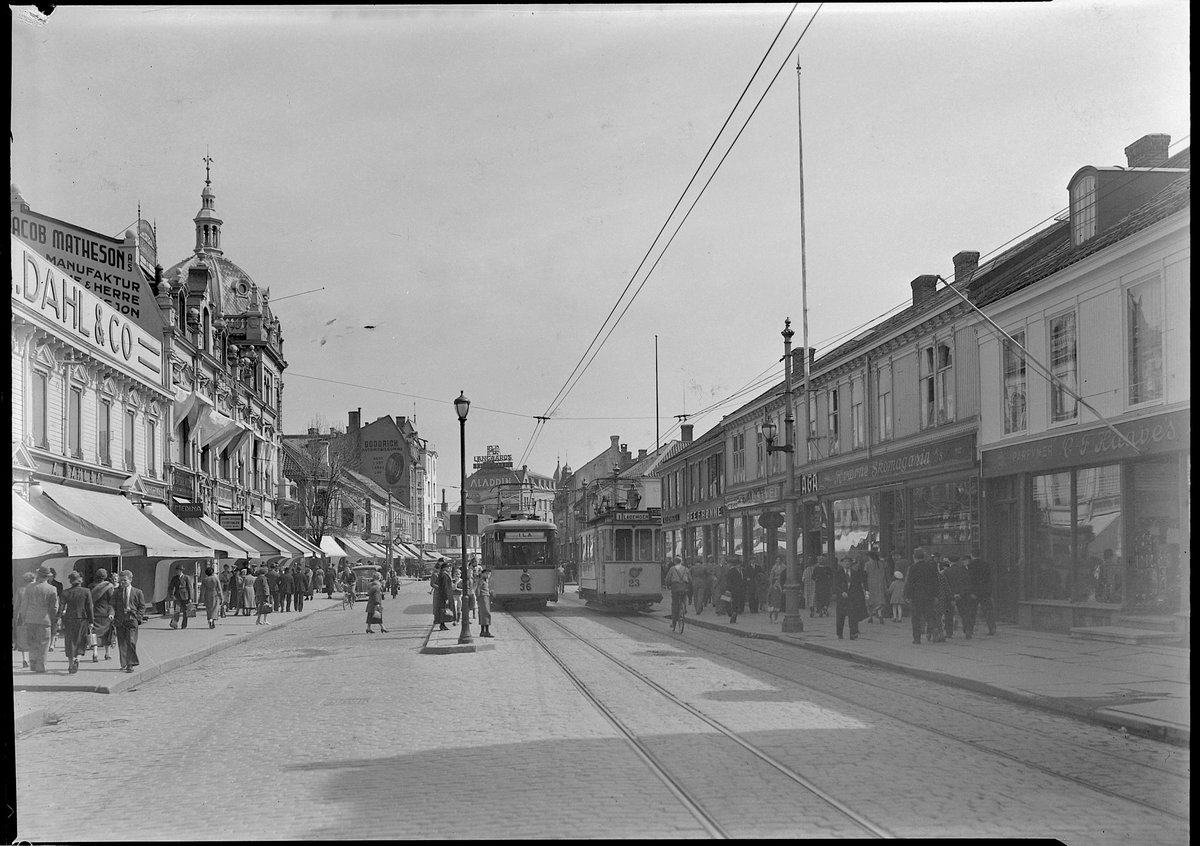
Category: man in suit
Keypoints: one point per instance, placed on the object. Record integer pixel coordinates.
(180, 591)
(129, 610)
(302, 579)
(979, 574)
(39, 606)
(287, 586)
(273, 577)
(921, 591)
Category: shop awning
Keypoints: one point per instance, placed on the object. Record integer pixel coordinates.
(406, 550)
(288, 533)
(27, 546)
(221, 539)
(263, 547)
(34, 523)
(355, 547)
(286, 547)
(330, 548)
(113, 517)
(166, 519)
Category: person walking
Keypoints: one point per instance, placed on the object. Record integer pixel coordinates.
(77, 613)
(701, 575)
(19, 639)
(303, 583)
(775, 598)
(38, 612)
(129, 612)
(225, 579)
(483, 590)
(979, 577)
(211, 595)
(58, 588)
(735, 586)
(945, 599)
(330, 580)
(262, 598)
(249, 605)
(849, 587)
(103, 633)
(443, 588)
(810, 589)
(287, 588)
(276, 595)
(318, 581)
(896, 596)
(679, 583)
(180, 591)
(750, 581)
(823, 581)
(876, 573)
(375, 605)
(235, 589)
(921, 589)
(960, 593)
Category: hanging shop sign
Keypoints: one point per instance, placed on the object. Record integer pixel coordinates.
(231, 521)
(68, 310)
(898, 466)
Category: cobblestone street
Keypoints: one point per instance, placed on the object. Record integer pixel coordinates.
(320, 731)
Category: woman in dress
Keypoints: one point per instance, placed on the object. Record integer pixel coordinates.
(210, 595)
(262, 597)
(443, 590)
(77, 614)
(735, 586)
(483, 592)
(102, 614)
(19, 621)
(375, 605)
(248, 603)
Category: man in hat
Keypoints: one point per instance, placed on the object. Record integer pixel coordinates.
(287, 588)
(443, 593)
(129, 610)
(921, 591)
(39, 605)
(679, 582)
(180, 591)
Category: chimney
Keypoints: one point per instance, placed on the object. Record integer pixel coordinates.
(615, 442)
(312, 431)
(685, 432)
(798, 360)
(1149, 151)
(965, 264)
(641, 454)
(355, 421)
(923, 288)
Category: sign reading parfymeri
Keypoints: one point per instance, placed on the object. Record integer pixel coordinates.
(53, 300)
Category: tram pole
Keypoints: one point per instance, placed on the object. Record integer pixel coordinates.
(461, 406)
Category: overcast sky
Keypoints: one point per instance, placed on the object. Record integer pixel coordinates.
(481, 184)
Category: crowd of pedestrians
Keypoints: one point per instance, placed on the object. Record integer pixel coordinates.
(446, 589)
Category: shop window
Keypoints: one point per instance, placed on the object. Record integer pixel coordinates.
(75, 423)
(1014, 384)
(855, 525)
(737, 535)
(945, 517)
(1143, 304)
(1156, 537)
(1098, 526)
(1051, 553)
(38, 402)
(696, 542)
(1064, 365)
(883, 405)
(127, 441)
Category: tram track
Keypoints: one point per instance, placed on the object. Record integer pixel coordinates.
(696, 806)
(891, 693)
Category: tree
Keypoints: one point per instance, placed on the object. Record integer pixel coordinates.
(317, 463)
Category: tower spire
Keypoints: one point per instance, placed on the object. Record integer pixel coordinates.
(207, 162)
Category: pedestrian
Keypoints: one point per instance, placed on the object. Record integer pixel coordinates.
(775, 599)
(318, 580)
(735, 586)
(179, 589)
(375, 605)
(960, 592)
(235, 588)
(810, 589)
(823, 582)
(483, 588)
(103, 633)
(921, 590)
(225, 579)
(750, 582)
(850, 589)
(443, 588)
(896, 595)
(330, 580)
(945, 598)
(129, 611)
(262, 598)
(701, 575)
(877, 580)
(77, 613)
(287, 587)
(899, 562)
(249, 606)
(310, 573)
(303, 583)
(394, 583)
(211, 595)
(679, 583)
(58, 589)
(19, 638)
(979, 575)
(38, 611)
(562, 579)
(273, 579)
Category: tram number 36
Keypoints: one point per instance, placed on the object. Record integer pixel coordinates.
(525, 583)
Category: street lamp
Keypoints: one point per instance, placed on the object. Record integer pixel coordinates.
(792, 622)
(461, 406)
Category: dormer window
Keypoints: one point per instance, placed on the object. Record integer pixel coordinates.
(1083, 209)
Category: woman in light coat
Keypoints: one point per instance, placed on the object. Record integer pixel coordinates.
(375, 605)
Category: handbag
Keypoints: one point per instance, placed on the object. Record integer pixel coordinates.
(264, 608)
(91, 639)
(191, 609)
(727, 597)
(376, 617)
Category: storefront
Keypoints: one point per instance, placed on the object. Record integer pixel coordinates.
(757, 524)
(1099, 533)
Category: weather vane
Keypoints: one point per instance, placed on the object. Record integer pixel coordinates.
(207, 161)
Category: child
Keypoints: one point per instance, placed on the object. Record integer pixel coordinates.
(774, 600)
(896, 595)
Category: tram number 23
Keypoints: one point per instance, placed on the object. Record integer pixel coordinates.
(635, 583)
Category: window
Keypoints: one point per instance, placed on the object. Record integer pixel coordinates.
(834, 427)
(152, 449)
(75, 423)
(127, 441)
(883, 389)
(104, 433)
(185, 446)
(41, 435)
(206, 329)
(1083, 209)
(945, 383)
(858, 430)
(1064, 366)
(761, 466)
(937, 384)
(739, 457)
(811, 447)
(225, 464)
(1014, 384)
(1145, 321)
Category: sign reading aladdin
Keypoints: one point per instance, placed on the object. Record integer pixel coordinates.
(58, 303)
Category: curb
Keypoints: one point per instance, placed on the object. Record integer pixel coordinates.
(29, 721)
(453, 647)
(1176, 735)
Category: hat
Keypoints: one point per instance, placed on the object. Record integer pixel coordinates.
(898, 575)
(43, 572)
(101, 573)
(919, 553)
(677, 560)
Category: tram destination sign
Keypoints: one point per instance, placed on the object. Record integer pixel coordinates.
(493, 459)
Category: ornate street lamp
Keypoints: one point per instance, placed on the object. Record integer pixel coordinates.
(461, 406)
(792, 621)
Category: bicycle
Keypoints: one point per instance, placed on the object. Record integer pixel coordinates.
(347, 598)
(678, 611)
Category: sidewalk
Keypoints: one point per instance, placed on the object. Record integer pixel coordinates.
(1144, 689)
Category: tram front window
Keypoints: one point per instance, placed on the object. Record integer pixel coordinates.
(624, 545)
(645, 545)
(522, 556)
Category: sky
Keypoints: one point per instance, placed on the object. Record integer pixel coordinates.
(481, 184)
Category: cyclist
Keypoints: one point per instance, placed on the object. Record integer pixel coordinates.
(679, 582)
(348, 584)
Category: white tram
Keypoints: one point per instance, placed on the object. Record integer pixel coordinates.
(523, 555)
(620, 551)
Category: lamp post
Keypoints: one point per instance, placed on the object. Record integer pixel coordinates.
(461, 406)
(792, 621)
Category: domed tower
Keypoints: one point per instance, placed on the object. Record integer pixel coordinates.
(208, 225)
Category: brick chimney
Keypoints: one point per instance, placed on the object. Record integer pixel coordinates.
(685, 433)
(1149, 151)
(798, 360)
(923, 288)
(355, 421)
(312, 431)
(965, 264)
(641, 454)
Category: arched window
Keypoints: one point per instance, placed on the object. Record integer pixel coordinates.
(205, 342)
